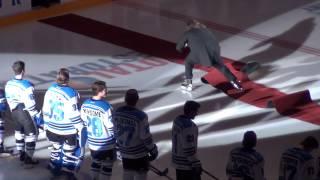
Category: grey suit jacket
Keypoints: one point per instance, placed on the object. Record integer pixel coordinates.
(204, 47)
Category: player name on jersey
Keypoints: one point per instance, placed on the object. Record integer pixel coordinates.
(126, 121)
(92, 112)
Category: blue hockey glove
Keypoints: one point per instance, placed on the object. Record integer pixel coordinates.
(38, 119)
(3, 102)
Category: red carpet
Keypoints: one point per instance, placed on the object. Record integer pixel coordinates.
(254, 94)
(288, 103)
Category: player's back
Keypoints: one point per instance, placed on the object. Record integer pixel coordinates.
(245, 163)
(132, 132)
(296, 164)
(18, 91)
(97, 115)
(184, 142)
(60, 109)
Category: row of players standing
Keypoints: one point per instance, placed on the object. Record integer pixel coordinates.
(67, 128)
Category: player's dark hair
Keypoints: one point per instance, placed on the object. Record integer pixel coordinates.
(190, 106)
(98, 86)
(63, 76)
(131, 97)
(310, 143)
(249, 139)
(18, 67)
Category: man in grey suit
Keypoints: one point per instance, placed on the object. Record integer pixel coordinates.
(204, 50)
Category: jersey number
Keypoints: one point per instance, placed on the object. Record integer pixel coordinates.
(243, 168)
(126, 132)
(95, 126)
(56, 110)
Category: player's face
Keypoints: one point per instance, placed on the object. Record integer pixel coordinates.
(194, 114)
(104, 93)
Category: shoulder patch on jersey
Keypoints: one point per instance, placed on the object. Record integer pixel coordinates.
(69, 91)
(27, 83)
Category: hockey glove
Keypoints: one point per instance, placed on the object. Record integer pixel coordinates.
(153, 153)
(38, 119)
(3, 104)
(196, 167)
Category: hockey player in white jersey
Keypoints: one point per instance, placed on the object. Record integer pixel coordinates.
(297, 163)
(245, 163)
(97, 115)
(63, 124)
(21, 100)
(185, 144)
(134, 139)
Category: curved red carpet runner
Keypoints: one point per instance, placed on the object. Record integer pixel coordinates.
(297, 105)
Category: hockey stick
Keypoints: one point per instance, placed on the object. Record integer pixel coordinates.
(160, 173)
(157, 171)
(209, 174)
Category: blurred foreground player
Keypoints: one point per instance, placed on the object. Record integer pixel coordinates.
(3, 108)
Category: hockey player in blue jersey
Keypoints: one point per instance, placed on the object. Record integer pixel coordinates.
(63, 125)
(21, 100)
(297, 163)
(134, 139)
(185, 144)
(3, 108)
(245, 163)
(97, 115)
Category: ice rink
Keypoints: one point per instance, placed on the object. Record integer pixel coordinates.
(131, 44)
